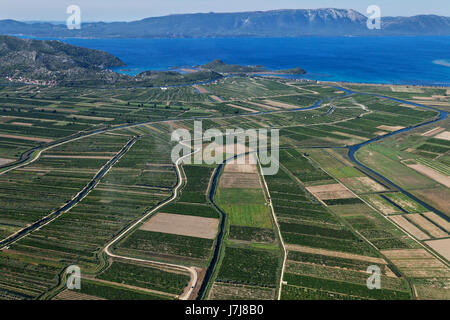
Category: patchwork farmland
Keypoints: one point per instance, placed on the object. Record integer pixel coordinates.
(362, 181)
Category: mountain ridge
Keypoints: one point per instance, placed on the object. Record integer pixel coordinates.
(274, 23)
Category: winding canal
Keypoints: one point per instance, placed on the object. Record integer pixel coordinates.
(223, 218)
(352, 150)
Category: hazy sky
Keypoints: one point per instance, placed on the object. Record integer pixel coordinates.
(126, 10)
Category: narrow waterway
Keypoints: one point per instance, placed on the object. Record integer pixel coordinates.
(352, 150)
(223, 217)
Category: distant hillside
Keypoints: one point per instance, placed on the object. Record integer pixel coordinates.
(278, 23)
(163, 78)
(52, 60)
(222, 67)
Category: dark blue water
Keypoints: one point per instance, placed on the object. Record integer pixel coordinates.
(400, 60)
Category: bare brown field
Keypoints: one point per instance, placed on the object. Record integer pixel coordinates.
(177, 125)
(24, 124)
(239, 180)
(441, 246)
(390, 273)
(348, 135)
(330, 191)
(280, 104)
(224, 291)
(430, 173)
(426, 225)
(265, 106)
(432, 132)
(409, 227)
(380, 133)
(438, 197)
(240, 107)
(216, 98)
(25, 138)
(260, 124)
(431, 102)
(438, 220)
(363, 184)
(390, 128)
(444, 136)
(212, 150)
(337, 254)
(184, 225)
(335, 195)
(74, 295)
(439, 97)
(236, 167)
(423, 98)
(5, 161)
(348, 141)
(326, 188)
(241, 173)
(417, 263)
(298, 267)
(407, 254)
(200, 89)
(152, 128)
(427, 273)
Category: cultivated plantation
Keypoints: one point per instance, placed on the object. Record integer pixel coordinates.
(87, 179)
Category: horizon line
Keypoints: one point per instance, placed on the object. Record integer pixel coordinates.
(216, 12)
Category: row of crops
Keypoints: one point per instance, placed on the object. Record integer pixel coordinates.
(326, 259)
(78, 237)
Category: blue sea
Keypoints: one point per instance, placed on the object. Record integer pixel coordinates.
(393, 60)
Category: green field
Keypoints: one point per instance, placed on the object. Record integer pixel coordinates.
(69, 134)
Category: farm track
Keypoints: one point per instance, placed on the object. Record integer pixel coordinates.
(277, 225)
(191, 270)
(34, 154)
